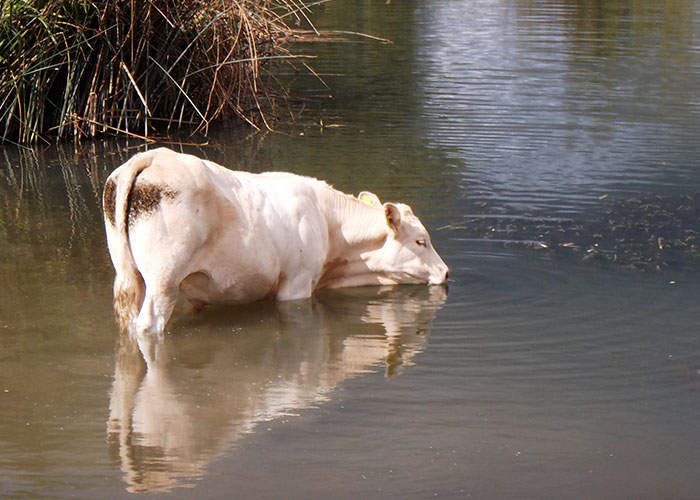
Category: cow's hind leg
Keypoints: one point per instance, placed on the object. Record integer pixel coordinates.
(158, 305)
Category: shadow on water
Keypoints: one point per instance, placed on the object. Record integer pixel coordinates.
(206, 384)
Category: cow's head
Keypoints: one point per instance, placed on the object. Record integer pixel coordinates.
(407, 255)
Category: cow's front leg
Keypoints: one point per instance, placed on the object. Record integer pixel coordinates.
(300, 287)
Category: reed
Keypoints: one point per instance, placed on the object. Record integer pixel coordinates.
(82, 68)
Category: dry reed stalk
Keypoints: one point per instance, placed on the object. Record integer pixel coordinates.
(81, 68)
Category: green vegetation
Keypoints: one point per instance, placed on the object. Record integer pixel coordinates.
(81, 68)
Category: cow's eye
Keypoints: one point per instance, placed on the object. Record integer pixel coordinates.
(421, 243)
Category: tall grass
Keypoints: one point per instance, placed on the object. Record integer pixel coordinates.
(82, 68)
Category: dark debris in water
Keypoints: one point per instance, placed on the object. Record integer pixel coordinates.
(651, 233)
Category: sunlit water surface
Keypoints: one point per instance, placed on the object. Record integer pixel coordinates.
(536, 375)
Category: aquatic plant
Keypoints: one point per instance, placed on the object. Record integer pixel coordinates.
(650, 233)
(82, 68)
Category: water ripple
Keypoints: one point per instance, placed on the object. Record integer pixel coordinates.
(549, 114)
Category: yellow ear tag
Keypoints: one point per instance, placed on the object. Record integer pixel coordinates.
(366, 200)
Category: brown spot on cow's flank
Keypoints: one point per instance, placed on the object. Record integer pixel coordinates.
(108, 200)
(144, 198)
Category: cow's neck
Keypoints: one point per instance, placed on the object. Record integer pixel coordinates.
(355, 229)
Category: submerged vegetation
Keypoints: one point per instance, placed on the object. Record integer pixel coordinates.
(81, 68)
(650, 233)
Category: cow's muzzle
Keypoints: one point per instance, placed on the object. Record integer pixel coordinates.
(439, 278)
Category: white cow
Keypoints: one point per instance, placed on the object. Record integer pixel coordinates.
(176, 222)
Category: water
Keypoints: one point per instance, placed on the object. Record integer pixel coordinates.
(592, 98)
(537, 376)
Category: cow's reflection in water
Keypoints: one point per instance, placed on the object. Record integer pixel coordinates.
(207, 383)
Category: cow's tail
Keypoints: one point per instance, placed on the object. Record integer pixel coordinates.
(129, 287)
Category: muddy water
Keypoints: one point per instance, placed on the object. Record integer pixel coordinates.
(538, 374)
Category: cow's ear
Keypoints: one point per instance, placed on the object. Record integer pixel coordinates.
(370, 199)
(393, 216)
